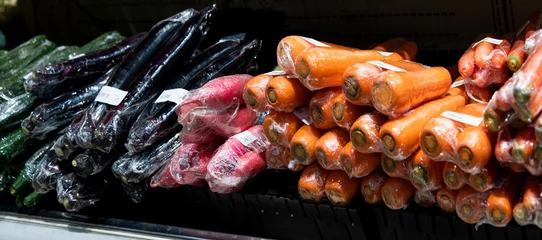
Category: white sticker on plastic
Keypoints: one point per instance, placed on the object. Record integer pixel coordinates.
(489, 40)
(458, 83)
(172, 95)
(315, 42)
(245, 138)
(110, 95)
(523, 28)
(386, 66)
(303, 114)
(464, 118)
(275, 73)
(385, 54)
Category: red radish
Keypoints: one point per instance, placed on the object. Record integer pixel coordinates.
(164, 178)
(226, 180)
(189, 164)
(230, 122)
(198, 135)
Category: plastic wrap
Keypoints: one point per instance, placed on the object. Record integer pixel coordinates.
(14, 110)
(396, 93)
(371, 186)
(90, 162)
(329, 147)
(340, 188)
(138, 167)
(303, 144)
(534, 41)
(486, 179)
(22, 55)
(446, 199)
(23, 182)
(424, 173)
(51, 80)
(519, 149)
(279, 128)
(286, 93)
(501, 200)
(499, 112)
(66, 144)
(239, 159)
(254, 93)
(311, 185)
(15, 145)
(528, 209)
(7, 177)
(471, 205)
(76, 193)
(47, 174)
(397, 193)
(393, 168)
(346, 113)
(357, 164)
(321, 108)
(426, 199)
(289, 49)
(274, 157)
(364, 132)
(454, 178)
(136, 191)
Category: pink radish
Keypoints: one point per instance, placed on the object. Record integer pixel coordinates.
(230, 122)
(189, 164)
(247, 167)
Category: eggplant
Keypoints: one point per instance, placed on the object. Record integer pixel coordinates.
(47, 174)
(139, 167)
(76, 193)
(91, 162)
(51, 80)
(60, 111)
(136, 191)
(65, 145)
(166, 63)
(149, 128)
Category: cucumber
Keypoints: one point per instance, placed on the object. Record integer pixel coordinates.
(103, 41)
(32, 199)
(21, 185)
(13, 112)
(2, 53)
(19, 200)
(23, 55)
(14, 146)
(6, 179)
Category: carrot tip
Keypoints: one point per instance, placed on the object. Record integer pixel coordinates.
(321, 156)
(317, 115)
(513, 64)
(351, 88)
(358, 138)
(251, 99)
(521, 214)
(497, 215)
(368, 193)
(419, 176)
(423, 200)
(389, 142)
(445, 202)
(522, 95)
(335, 197)
(272, 95)
(451, 179)
(338, 111)
(346, 163)
(306, 194)
(492, 121)
(467, 210)
(389, 164)
(302, 69)
(382, 94)
(299, 152)
(430, 145)
(478, 182)
(465, 155)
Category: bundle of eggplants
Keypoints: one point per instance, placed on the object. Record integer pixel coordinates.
(76, 193)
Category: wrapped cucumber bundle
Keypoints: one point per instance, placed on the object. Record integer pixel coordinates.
(7, 176)
(106, 40)
(76, 193)
(60, 111)
(102, 123)
(22, 184)
(54, 79)
(158, 119)
(23, 55)
(15, 145)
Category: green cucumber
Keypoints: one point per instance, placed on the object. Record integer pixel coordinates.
(14, 146)
(103, 41)
(32, 199)
(22, 184)
(23, 55)
(19, 108)
(2, 53)
(19, 200)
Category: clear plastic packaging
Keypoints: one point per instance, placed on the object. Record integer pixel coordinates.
(274, 157)
(303, 144)
(254, 93)
(189, 164)
(499, 112)
(371, 186)
(397, 193)
(340, 188)
(446, 199)
(424, 173)
(519, 149)
(528, 210)
(65, 145)
(47, 174)
(393, 168)
(311, 185)
(279, 128)
(471, 205)
(454, 178)
(346, 113)
(329, 147)
(239, 159)
(426, 199)
(364, 133)
(76, 193)
(357, 164)
(91, 162)
(286, 93)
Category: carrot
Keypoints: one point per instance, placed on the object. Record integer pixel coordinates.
(470, 205)
(390, 45)
(517, 54)
(274, 157)
(364, 132)
(396, 193)
(322, 67)
(286, 94)
(371, 186)
(503, 147)
(357, 164)
(397, 169)
(531, 79)
(345, 113)
(279, 127)
(446, 199)
(303, 144)
(474, 148)
(482, 53)
(401, 136)
(254, 93)
(499, 55)
(329, 146)
(437, 138)
(408, 51)
(501, 201)
(426, 199)
(341, 189)
(395, 93)
(466, 63)
(530, 202)
(485, 179)
(458, 90)
(290, 161)
(523, 145)
(454, 178)
(359, 79)
(321, 108)
(424, 173)
(311, 185)
(481, 95)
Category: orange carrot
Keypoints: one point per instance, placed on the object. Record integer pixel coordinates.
(466, 63)
(329, 146)
(454, 178)
(357, 164)
(401, 136)
(290, 161)
(279, 127)
(285, 94)
(341, 189)
(470, 205)
(311, 185)
(321, 108)
(478, 94)
(485, 179)
(438, 138)
(426, 199)
(499, 55)
(517, 54)
(501, 201)
(523, 145)
(408, 51)
(396, 193)
(254, 93)
(446, 199)
(482, 53)
(390, 45)
(424, 173)
(395, 93)
(323, 67)
(346, 113)
(303, 144)
(530, 202)
(398, 169)
(359, 79)
(364, 132)
(274, 157)
(474, 148)
(371, 186)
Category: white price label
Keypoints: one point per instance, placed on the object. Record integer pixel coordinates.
(276, 73)
(385, 54)
(463, 118)
(303, 114)
(386, 66)
(110, 95)
(315, 42)
(458, 84)
(245, 138)
(172, 95)
(523, 28)
(489, 40)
